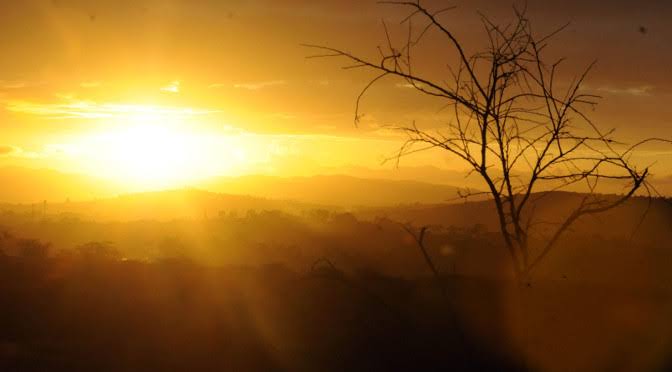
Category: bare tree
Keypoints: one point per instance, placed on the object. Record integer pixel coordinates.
(519, 128)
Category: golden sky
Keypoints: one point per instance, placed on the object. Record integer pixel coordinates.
(163, 92)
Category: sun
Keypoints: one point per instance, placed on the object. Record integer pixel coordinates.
(151, 149)
(152, 155)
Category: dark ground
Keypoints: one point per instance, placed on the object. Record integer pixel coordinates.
(74, 314)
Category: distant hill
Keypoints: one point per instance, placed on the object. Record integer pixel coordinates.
(338, 190)
(371, 189)
(647, 219)
(24, 185)
(158, 205)
(428, 174)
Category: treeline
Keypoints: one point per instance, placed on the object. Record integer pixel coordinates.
(297, 241)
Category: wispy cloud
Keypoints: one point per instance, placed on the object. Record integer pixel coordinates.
(259, 85)
(48, 151)
(404, 85)
(639, 91)
(93, 110)
(172, 87)
(322, 82)
(90, 84)
(282, 115)
(9, 150)
(17, 84)
(12, 84)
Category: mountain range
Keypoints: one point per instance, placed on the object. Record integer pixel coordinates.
(29, 186)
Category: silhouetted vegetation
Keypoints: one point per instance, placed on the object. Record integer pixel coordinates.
(513, 123)
(318, 262)
(327, 290)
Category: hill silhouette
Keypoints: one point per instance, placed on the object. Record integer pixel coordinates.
(24, 185)
(341, 190)
(646, 218)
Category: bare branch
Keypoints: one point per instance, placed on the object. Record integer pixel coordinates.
(515, 125)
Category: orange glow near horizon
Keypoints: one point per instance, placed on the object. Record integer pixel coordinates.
(145, 148)
(163, 94)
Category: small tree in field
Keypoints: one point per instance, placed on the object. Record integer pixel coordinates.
(524, 133)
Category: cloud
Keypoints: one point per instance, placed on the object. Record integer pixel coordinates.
(90, 84)
(259, 85)
(9, 150)
(12, 84)
(322, 82)
(640, 91)
(250, 85)
(75, 109)
(17, 84)
(48, 151)
(172, 87)
(409, 85)
(282, 115)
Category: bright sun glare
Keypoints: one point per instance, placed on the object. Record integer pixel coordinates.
(153, 155)
(151, 149)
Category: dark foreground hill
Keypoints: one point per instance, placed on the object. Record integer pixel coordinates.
(320, 290)
(82, 313)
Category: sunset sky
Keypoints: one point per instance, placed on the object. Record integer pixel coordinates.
(159, 93)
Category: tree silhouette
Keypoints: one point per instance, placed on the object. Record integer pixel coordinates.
(33, 249)
(524, 132)
(98, 250)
